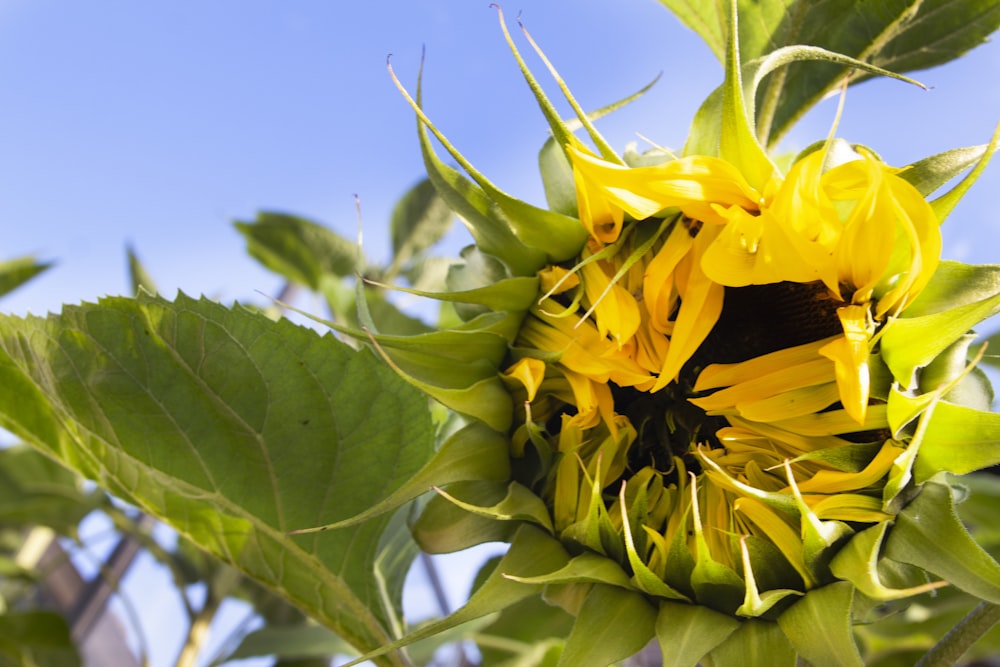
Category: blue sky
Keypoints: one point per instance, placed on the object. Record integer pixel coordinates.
(158, 123)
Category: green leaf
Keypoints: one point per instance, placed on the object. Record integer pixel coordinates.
(36, 639)
(456, 367)
(35, 490)
(444, 527)
(858, 562)
(992, 355)
(945, 204)
(16, 272)
(557, 178)
(290, 642)
(929, 534)
(687, 633)
(554, 235)
(955, 284)
(474, 452)
(909, 343)
(139, 278)
(951, 368)
(515, 502)
(532, 552)
(932, 172)
(231, 428)
(819, 626)
(712, 117)
(958, 439)
(737, 143)
(898, 35)
(520, 629)
(481, 216)
(419, 220)
(301, 250)
(341, 296)
(613, 624)
(588, 567)
(978, 510)
(506, 295)
(755, 643)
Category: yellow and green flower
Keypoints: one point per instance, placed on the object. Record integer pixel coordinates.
(722, 399)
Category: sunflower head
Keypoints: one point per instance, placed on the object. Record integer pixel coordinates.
(732, 392)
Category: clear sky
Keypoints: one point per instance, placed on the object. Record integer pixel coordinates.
(158, 123)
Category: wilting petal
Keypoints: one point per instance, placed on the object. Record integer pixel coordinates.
(701, 305)
(850, 358)
(530, 372)
(615, 309)
(607, 191)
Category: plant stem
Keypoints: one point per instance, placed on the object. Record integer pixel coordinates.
(222, 583)
(961, 637)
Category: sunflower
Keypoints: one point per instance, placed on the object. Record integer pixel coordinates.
(710, 359)
(736, 393)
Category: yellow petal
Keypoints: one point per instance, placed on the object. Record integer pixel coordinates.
(607, 191)
(701, 305)
(530, 372)
(850, 358)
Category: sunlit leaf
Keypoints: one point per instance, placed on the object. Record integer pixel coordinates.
(913, 342)
(958, 439)
(931, 173)
(231, 428)
(955, 284)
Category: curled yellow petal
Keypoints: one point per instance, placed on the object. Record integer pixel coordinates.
(850, 358)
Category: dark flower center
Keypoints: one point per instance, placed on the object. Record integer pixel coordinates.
(755, 320)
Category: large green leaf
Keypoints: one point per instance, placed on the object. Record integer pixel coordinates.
(898, 35)
(233, 429)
